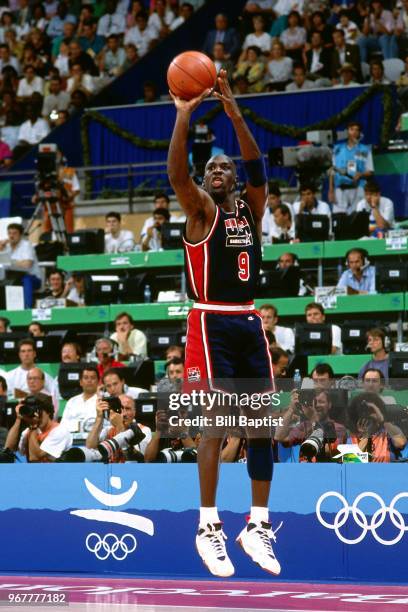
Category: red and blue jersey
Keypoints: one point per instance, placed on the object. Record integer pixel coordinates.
(224, 267)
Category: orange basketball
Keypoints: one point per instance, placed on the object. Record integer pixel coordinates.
(190, 73)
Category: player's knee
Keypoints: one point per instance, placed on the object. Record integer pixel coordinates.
(260, 459)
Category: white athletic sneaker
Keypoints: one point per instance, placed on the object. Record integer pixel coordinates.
(255, 539)
(211, 548)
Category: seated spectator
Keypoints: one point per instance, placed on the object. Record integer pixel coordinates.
(252, 68)
(142, 36)
(348, 27)
(161, 200)
(67, 36)
(281, 10)
(376, 345)
(130, 341)
(76, 289)
(78, 56)
(31, 132)
(80, 411)
(381, 209)
(44, 440)
(7, 59)
(314, 314)
(161, 19)
(36, 330)
(264, 7)
(117, 240)
(353, 165)
(225, 34)
(258, 38)
(288, 260)
(175, 369)
(112, 57)
(309, 204)
(6, 24)
(372, 431)
(323, 376)
(131, 56)
(377, 75)
(220, 60)
(274, 200)
(300, 82)
(347, 76)
(153, 241)
(105, 355)
(280, 360)
(294, 37)
(90, 41)
(136, 7)
(149, 93)
(56, 100)
(174, 351)
(374, 382)
(115, 384)
(284, 335)
(360, 276)
(87, 12)
(240, 86)
(23, 259)
(344, 53)
(185, 11)
(4, 325)
(283, 225)
(318, 23)
(70, 352)
(318, 61)
(56, 25)
(29, 84)
(78, 100)
(302, 419)
(278, 69)
(80, 81)
(378, 33)
(17, 378)
(56, 285)
(36, 382)
(112, 22)
(61, 62)
(166, 437)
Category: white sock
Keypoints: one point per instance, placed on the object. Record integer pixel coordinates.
(208, 515)
(258, 514)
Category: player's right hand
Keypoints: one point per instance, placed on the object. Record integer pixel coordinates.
(189, 106)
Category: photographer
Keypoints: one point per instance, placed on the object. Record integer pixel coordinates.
(307, 422)
(371, 429)
(44, 440)
(152, 240)
(167, 438)
(122, 415)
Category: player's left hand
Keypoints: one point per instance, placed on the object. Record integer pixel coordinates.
(226, 96)
(189, 106)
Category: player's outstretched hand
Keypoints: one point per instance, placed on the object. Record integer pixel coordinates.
(226, 96)
(189, 106)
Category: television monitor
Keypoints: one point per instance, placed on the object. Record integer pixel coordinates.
(312, 228)
(146, 408)
(398, 370)
(48, 348)
(68, 378)
(172, 235)
(279, 283)
(103, 289)
(353, 336)
(86, 242)
(390, 277)
(9, 345)
(350, 227)
(139, 373)
(160, 340)
(313, 339)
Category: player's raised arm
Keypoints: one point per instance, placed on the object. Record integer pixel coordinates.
(257, 184)
(193, 200)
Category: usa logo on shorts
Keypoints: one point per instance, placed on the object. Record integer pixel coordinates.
(193, 374)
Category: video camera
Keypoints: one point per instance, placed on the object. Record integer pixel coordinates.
(31, 407)
(47, 172)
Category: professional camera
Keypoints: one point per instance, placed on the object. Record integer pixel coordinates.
(30, 407)
(113, 401)
(398, 415)
(314, 444)
(185, 455)
(47, 164)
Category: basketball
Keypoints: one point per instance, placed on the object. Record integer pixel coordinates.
(190, 73)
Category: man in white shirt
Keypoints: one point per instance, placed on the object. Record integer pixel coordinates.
(185, 12)
(6, 59)
(117, 240)
(282, 227)
(80, 411)
(56, 100)
(23, 259)
(17, 379)
(300, 82)
(44, 440)
(115, 384)
(141, 35)
(30, 83)
(131, 341)
(284, 336)
(381, 209)
(112, 22)
(34, 129)
(161, 200)
(309, 204)
(314, 313)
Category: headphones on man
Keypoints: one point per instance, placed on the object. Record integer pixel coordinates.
(364, 256)
(294, 257)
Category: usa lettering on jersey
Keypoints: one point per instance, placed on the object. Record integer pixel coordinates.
(238, 232)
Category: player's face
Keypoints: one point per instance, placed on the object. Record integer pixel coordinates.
(219, 177)
(314, 316)
(268, 319)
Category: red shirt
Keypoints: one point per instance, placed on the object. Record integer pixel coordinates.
(111, 364)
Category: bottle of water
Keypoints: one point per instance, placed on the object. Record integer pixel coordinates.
(147, 294)
(297, 379)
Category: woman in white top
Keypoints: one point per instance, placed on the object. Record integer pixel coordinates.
(294, 37)
(258, 38)
(278, 69)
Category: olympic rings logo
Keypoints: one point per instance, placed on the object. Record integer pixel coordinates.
(360, 518)
(110, 544)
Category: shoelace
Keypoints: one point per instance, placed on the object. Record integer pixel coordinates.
(217, 537)
(266, 534)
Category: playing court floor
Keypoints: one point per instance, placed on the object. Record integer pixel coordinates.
(129, 594)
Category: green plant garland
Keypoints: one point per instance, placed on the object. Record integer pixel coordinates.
(275, 128)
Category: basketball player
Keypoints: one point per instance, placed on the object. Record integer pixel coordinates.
(225, 339)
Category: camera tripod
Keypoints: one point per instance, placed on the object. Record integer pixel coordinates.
(48, 202)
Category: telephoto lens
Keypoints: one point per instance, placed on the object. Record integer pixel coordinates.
(313, 445)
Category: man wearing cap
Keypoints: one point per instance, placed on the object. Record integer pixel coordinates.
(347, 74)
